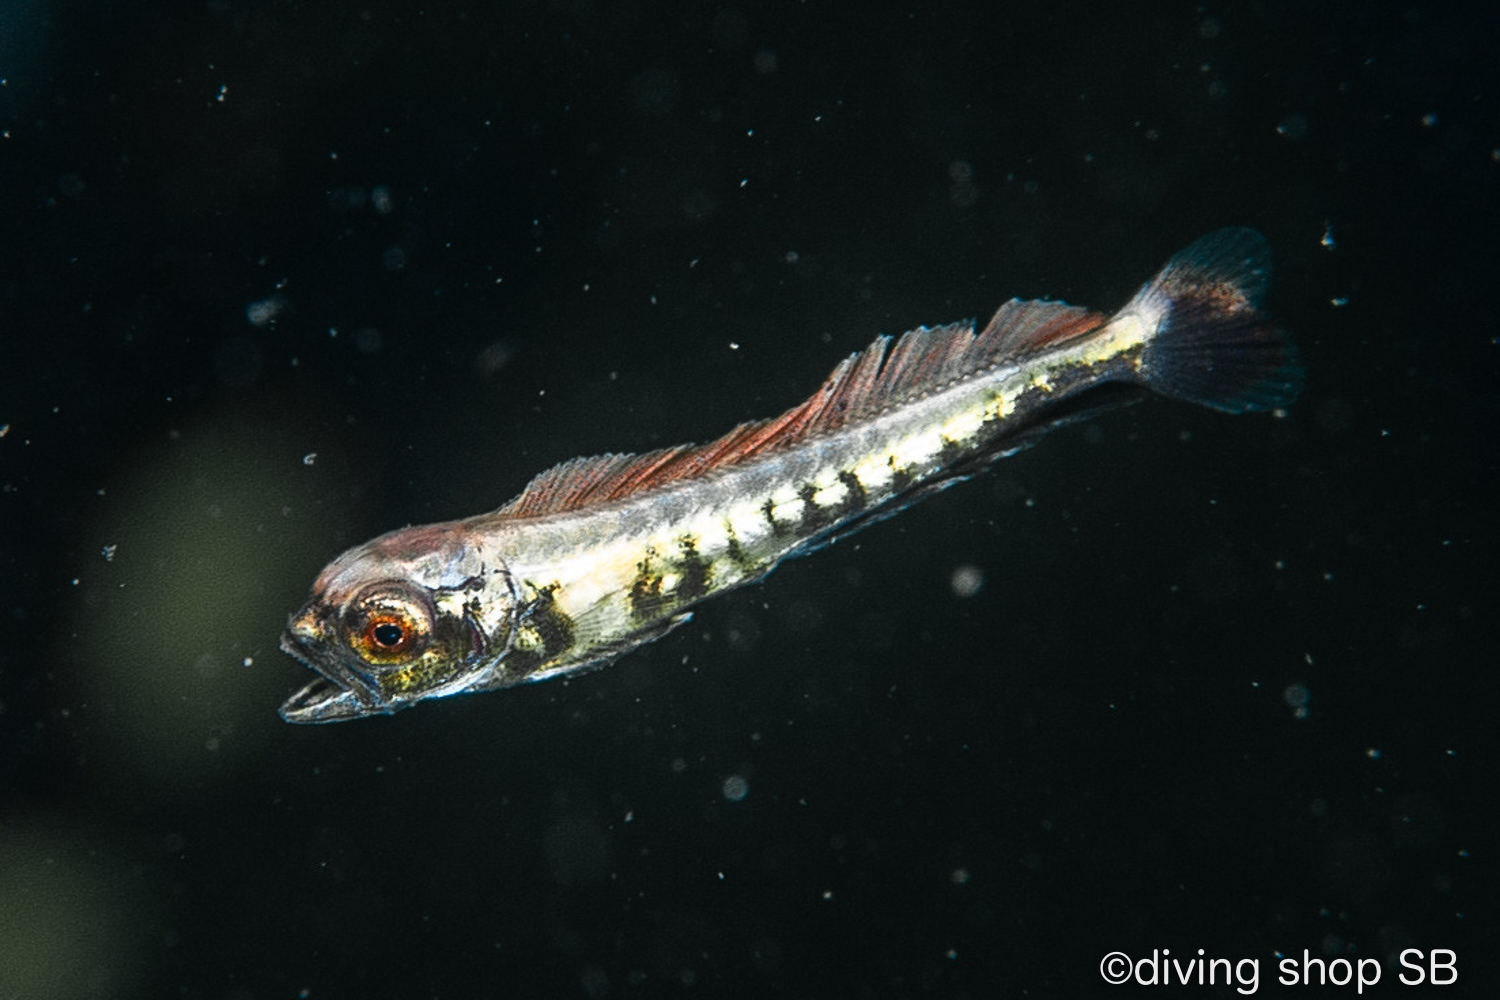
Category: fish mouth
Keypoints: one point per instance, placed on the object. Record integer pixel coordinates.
(327, 697)
(322, 700)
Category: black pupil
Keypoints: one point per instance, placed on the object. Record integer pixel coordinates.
(388, 634)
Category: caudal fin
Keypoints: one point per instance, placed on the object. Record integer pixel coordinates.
(1212, 344)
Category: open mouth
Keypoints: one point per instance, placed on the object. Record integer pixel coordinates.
(323, 699)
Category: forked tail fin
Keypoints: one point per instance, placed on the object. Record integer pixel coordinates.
(1212, 344)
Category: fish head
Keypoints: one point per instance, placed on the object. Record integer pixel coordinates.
(415, 614)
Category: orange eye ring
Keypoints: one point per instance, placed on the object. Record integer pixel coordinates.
(390, 634)
(389, 625)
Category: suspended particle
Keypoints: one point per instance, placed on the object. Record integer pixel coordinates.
(966, 581)
(1297, 697)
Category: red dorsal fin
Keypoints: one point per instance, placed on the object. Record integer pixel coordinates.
(882, 376)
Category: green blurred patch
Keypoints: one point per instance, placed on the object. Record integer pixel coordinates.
(68, 924)
(202, 552)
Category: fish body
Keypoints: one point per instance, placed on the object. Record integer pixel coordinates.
(600, 555)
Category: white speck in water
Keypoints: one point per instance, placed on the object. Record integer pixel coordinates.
(109, 553)
(1430, 119)
(223, 93)
(1293, 126)
(966, 581)
(959, 876)
(595, 982)
(494, 357)
(736, 788)
(4, 430)
(248, 661)
(1297, 696)
(309, 458)
(1328, 241)
(1339, 301)
(265, 311)
(962, 190)
(1372, 753)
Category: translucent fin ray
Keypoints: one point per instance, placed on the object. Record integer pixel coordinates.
(1211, 344)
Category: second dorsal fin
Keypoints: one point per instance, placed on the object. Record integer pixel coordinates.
(882, 376)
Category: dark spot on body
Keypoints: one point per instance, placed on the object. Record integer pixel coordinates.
(695, 573)
(544, 633)
(646, 598)
(768, 510)
(814, 517)
(901, 476)
(522, 661)
(950, 451)
(736, 551)
(855, 499)
(994, 417)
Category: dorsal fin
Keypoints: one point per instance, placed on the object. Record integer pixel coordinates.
(863, 385)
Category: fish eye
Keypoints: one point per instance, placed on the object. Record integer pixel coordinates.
(388, 624)
(388, 635)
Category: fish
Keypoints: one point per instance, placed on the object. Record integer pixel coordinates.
(599, 556)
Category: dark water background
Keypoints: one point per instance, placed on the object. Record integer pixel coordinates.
(278, 276)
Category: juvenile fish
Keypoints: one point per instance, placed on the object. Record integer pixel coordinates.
(600, 555)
